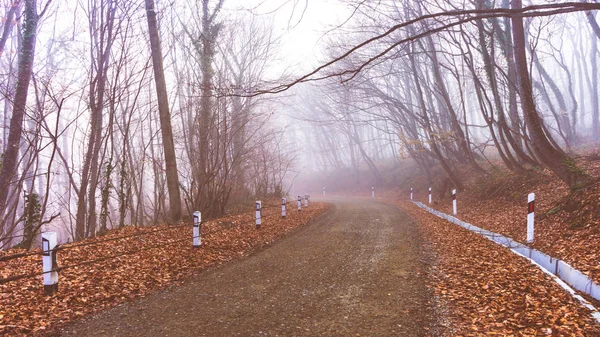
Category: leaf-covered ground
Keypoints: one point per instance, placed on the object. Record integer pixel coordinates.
(567, 225)
(25, 310)
(486, 290)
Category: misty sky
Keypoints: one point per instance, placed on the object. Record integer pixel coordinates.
(300, 24)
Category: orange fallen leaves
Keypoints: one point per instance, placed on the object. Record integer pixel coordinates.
(488, 291)
(499, 204)
(25, 310)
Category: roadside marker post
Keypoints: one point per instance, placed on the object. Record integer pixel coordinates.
(258, 213)
(299, 203)
(306, 200)
(373, 192)
(530, 217)
(197, 240)
(454, 202)
(430, 195)
(49, 265)
(411, 194)
(283, 204)
(323, 190)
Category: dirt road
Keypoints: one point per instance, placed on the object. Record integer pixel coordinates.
(354, 272)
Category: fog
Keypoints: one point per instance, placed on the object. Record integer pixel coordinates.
(273, 97)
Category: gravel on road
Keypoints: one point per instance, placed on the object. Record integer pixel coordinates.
(357, 271)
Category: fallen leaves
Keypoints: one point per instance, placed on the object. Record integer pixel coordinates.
(25, 310)
(499, 203)
(487, 290)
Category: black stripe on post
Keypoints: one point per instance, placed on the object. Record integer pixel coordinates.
(45, 247)
(530, 207)
(453, 196)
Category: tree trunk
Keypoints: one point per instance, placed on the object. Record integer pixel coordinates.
(27, 53)
(427, 126)
(558, 162)
(165, 116)
(506, 131)
(594, 90)
(101, 21)
(10, 17)
(459, 134)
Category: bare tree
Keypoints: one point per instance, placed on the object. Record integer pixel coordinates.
(165, 116)
(27, 53)
(553, 158)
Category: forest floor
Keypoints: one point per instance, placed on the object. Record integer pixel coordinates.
(357, 271)
(567, 224)
(367, 268)
(486, 290)
(131, 262)
(361, 267)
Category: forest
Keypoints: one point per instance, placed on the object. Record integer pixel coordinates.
(110, 120)
(120, 113)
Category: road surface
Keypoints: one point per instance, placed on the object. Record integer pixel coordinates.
(356, 271)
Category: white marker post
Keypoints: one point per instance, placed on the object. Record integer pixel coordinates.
(49, 265)
(430, 195)
(299, 203)
(323, 190)
(258, 213)
(306, 200)
(411, 194)
(530, 216)
(283, 204)
(373, 192)
(197, 240)
(454, 202)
